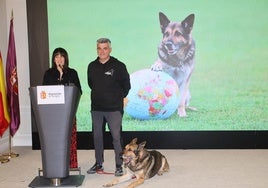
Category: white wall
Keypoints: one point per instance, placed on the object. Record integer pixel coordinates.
(23, 135)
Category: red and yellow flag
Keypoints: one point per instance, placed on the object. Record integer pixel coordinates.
(4, 115)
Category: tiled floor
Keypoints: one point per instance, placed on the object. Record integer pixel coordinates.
(188, 169)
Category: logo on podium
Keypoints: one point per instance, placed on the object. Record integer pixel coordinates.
(50, 94)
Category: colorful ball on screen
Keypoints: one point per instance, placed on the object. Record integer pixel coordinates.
(153, 95)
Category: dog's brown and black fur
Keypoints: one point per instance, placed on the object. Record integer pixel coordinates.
(176, 55)
(141, 164)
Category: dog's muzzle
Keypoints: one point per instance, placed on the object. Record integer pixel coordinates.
(126, 159)
(171, 48)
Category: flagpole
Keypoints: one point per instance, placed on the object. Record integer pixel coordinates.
(3, 159)
(10, 154)
(12, 87)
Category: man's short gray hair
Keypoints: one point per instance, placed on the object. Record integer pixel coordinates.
(104, 40)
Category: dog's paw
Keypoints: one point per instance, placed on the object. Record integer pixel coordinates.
(108, 185)
(160, 173)
(182, 112)
(157, 67)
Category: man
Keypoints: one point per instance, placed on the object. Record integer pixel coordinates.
(109, 82)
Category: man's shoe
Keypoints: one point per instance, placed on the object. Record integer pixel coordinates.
(96, 167)
(119, 171)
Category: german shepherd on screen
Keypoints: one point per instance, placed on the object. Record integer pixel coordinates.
(176, 56)
(140, 164)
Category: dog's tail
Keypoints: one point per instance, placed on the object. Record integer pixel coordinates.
(191, 108)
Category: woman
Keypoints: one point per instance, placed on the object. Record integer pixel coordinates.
(61, 74)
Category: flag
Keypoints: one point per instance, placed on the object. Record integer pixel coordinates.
(12, 82)
(4, 115)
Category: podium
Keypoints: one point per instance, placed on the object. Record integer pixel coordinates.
(54, 108)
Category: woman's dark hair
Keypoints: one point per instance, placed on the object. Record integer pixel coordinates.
(62, 52)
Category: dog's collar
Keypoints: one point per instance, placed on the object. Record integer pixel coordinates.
(172, 61)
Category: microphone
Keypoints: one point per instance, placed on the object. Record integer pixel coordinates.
(61, 67)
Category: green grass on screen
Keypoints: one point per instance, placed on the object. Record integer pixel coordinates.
(229, 85)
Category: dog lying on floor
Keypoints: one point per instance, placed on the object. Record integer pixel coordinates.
(176, 56)
(140, 164)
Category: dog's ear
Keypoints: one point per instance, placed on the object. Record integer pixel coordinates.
(164, 21)
(134, 141)
(188, 23)
(142, 145)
